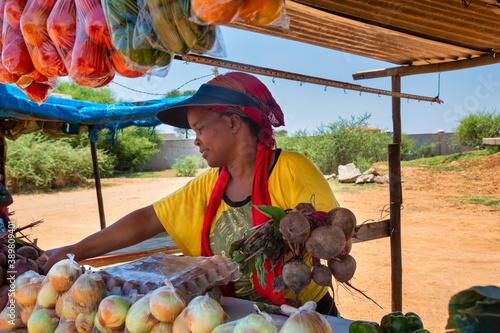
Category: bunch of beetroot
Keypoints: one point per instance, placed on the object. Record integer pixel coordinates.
(325, 235)
(17, 260)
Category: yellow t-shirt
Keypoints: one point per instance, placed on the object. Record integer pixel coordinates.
(292, 179)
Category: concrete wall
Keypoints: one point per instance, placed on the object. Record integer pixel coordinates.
(442, 139)
(170, 150)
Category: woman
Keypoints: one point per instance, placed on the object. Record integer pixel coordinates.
(232, 116)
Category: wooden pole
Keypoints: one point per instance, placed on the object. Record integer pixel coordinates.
(97, 179)
(396, 199)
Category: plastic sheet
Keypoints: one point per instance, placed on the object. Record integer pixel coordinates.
(191, 275)
(255, 12)
(5, 76)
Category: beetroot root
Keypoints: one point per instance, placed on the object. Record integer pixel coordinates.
(296, 275)
(295, 228)
(322, 276)
(343, 218)
(303, 207)
(28, 252)
(342, 268)
(326, 242)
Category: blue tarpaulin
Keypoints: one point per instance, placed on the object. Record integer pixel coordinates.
(14, 104)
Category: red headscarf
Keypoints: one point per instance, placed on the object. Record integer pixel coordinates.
(269, 114)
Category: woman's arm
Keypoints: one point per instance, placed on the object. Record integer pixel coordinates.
(131, 229)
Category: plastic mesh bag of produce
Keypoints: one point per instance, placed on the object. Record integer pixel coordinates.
(15, 55)
(82, 300)
(256, 12)
(193, 276)
(61, 27)
(178, 34)
(304, 319)
(136, 52)
(6, 77)
(44, 54)
(37, 86)
(90, 59)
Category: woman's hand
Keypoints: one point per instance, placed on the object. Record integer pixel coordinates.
(50, 257)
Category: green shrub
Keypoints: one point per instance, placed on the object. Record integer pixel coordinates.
(132, 147)
(187, 166)
(340, 143)
(36, 162)
(407, 147)
(426, 150)
(473, 127)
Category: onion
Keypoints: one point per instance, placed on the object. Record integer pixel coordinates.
(85, 322)
(180, 325)
(10, 318)
(203, 314)
(59, 303)
(27, 286)
(112, 311)
(66, 327)
(43, 321)
(26, 312)
(47, 296)
(139, 317)
(88, 291)
(162, 328)
(70, 310)
(256, 323)
(226, 327)
(304, 319)
(167, 302)
(64, 273)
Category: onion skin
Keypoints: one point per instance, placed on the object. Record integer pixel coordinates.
(162, 328)
(226, 327)
(255, 323)
(8, 324)
(26, 313)
(304, 319)
(166, 303)
(203, 314)
(88, 291)
(47, 296)
(42, 321)
(112, 311)
(64, 273)
(139, 317)
(85, 322)
(180, 325)
(27, 286)
(66, 327)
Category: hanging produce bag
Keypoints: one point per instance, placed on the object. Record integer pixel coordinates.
(170, 20)
(255, 12)
(15, 55)
(44, 54)
(6, 77)
(90, 59)
(136, 45)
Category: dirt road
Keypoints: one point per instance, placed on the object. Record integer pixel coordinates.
(447, 246)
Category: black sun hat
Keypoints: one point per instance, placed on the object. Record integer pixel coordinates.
(207, 95)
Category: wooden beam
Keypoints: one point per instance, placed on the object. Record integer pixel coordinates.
(97, 179)
(371, 231)
(488, 59)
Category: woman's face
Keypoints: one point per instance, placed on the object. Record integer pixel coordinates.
(213, 135)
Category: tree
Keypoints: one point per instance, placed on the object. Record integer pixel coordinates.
(181, 132)
(473, 127)
(100, 95)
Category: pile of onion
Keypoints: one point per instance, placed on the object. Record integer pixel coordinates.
(304, 319)
(64, 273)
(202, 315)
(256, 323)
(26, 287)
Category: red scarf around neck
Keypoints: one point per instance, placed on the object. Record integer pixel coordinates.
(260, 196)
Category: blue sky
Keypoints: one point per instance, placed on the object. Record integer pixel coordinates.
(307, 106)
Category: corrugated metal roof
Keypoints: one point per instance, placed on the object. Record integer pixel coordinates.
(405, 32)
